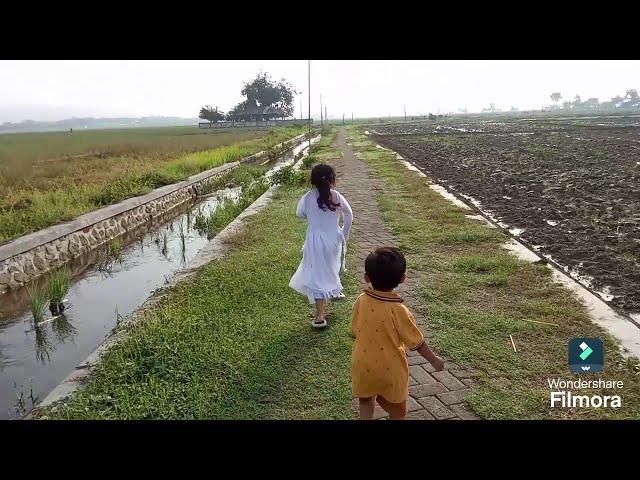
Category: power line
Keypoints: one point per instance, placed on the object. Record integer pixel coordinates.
(309, 119)
(321, 118)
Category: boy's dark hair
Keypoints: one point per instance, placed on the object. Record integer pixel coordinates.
(385, 267)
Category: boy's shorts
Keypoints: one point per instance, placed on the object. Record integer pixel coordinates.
(394, 409)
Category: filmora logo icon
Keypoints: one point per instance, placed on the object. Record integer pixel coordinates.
(586, 355)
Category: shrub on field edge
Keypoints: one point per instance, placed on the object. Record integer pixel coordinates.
(288, 177)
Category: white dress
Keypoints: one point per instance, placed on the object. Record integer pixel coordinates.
(318, 275)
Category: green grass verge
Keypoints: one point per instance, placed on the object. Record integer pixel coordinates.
(475, 294)
(234, 342)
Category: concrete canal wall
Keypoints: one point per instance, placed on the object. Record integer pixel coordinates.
(35, 254)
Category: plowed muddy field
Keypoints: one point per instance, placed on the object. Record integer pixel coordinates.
(570, 188)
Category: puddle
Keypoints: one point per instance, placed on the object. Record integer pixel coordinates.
(34, 361)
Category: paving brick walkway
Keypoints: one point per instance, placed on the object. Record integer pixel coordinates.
(432, 395)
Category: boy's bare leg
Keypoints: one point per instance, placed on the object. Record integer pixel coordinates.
(396, 411)
(367, 406)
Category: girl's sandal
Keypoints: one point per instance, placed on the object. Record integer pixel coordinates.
(316, 324)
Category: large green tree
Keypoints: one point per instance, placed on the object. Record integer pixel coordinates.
(262, 91)
(211, 114)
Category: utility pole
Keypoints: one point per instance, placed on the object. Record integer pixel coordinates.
(321, 117)
(300, 107)
(326, 118)
(309, 93)
(351, 117)
(343, 119)
(405, 113)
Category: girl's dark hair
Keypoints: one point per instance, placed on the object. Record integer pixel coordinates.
(322, 176)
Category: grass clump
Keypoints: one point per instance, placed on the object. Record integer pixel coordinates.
(229, 209)
(237, 177)
(59, 284)
(112, 253)
(37, 302)
(309, 161)
(246, 175)
(57, 290)
(115, 249)
(289, 177)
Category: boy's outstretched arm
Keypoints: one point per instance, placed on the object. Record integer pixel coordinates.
(431, 357)
(410, 334)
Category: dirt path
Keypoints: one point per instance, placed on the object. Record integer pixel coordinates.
(432, 395)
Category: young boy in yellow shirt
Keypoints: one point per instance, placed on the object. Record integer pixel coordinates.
(382, 327)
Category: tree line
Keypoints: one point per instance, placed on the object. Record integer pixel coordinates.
(262, 91)
(630, 100)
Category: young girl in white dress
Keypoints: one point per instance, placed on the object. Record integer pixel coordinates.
(318, 275)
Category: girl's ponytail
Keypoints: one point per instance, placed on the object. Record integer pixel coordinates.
(322, 177)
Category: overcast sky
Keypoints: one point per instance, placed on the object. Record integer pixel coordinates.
(54, 90)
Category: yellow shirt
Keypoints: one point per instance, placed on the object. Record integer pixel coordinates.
(382, 327)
